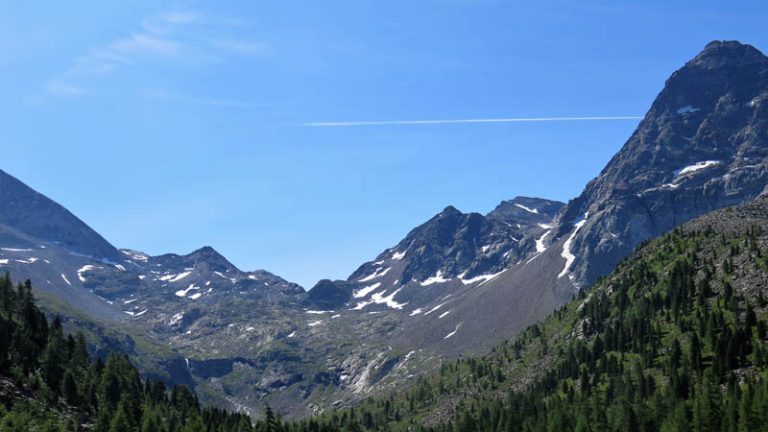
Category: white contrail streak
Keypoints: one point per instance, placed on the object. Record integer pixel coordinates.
(456, 121)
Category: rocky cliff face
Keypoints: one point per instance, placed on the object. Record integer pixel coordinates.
(703, 145)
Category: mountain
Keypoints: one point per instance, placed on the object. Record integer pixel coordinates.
(48, 382)
(451, 251)
(27, 215)
(676, 338)
(455, 285)
(703, 145)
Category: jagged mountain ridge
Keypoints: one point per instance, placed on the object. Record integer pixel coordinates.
(458, 283)
(452, 248)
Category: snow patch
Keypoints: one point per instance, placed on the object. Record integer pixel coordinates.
(458, 326)
(65, 279)
(566, 253)
(435, 308)
(528, 209)
(362, 292)
(313, 324)
(3, 261)
(481, 278)
(397, 256)
(540, 241)
(175, 277)
(134, 314)
(176, 318)
(687, 109)
(184, 292)
(696, 167)
(379, 298)
(375, 275)
(15, 249)
(444, 314)
(83, 269)
(317, 312)
(437, 278)
(293, 333)
(416, 312)
(27, 261)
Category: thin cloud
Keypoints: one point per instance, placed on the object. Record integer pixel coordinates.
(460, 121)
(181, 37)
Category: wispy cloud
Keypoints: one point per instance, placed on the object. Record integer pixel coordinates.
(181, 37)
(459, 121)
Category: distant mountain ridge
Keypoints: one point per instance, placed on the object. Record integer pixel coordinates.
(457, 284)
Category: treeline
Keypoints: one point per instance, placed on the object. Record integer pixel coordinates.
(48, 382)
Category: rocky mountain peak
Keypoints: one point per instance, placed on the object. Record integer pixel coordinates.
(700, 147)
(35, 215)
(717, 54)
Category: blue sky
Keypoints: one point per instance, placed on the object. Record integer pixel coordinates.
(167, 126)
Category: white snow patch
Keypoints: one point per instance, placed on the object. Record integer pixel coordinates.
(184, 292)
(362, 292)
(4, 261)
(65, 279)
(15, 249)
(27, 261)
(566, 253)
(293, 333)
(220, 275)
(134, 314)
(442, 315)
(434, 308)
(82, 270)
(397, 256)
(480, 278)
(458, 326)
(196, 296)
(696, 167)
(175, 277)
(379, 298)
(317, 312)
(120, 267)
(176, 318)
(437, 278)
(335, 316)
(416, 311)
(250, 328)
(528, 209)
(315, 323)
(540, 241)
(130, 301)
(544, 226)
(375, 275)
(687, 109)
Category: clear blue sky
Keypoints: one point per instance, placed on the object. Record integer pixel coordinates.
(167, 126)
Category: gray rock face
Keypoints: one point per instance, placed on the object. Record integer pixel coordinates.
(451, 250)
(39, 217)
(702, 146)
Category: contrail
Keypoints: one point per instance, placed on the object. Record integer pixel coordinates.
(456, 121)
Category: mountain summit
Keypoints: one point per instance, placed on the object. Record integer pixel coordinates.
(702, 146)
